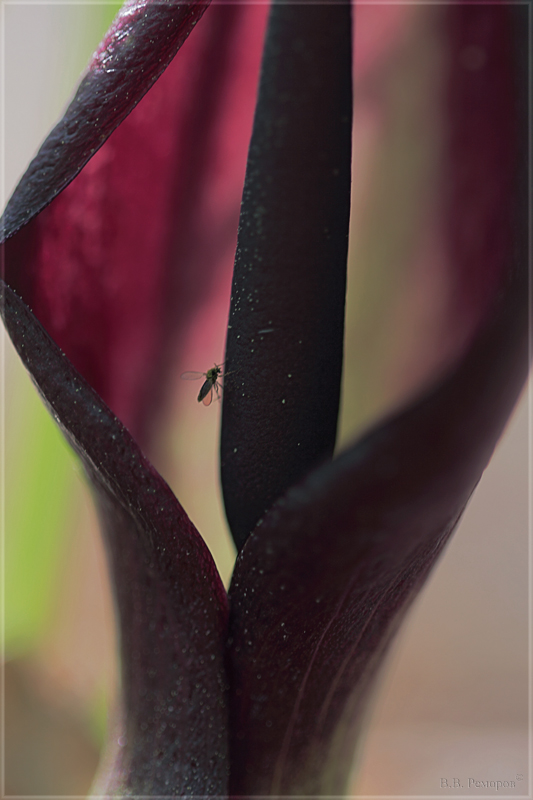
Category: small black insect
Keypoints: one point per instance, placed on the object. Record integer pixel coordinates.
(205, 395)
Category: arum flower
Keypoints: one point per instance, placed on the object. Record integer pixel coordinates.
(262, 691)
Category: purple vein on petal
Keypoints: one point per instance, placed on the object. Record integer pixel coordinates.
(395, 582)
(280, 763)
(335, 682)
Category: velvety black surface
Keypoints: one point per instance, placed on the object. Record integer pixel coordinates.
(171, 603)
(286, 322)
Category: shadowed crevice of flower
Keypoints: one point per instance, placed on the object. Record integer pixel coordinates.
(323, 581)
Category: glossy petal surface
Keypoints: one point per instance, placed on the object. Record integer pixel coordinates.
(121, 71)
(116, 266)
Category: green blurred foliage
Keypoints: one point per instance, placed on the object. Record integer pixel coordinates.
(40, 494)
(40, 469)
(42, 481)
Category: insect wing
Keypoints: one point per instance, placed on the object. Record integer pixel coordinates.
(205, 391)
(191, 376)
(208, 396)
